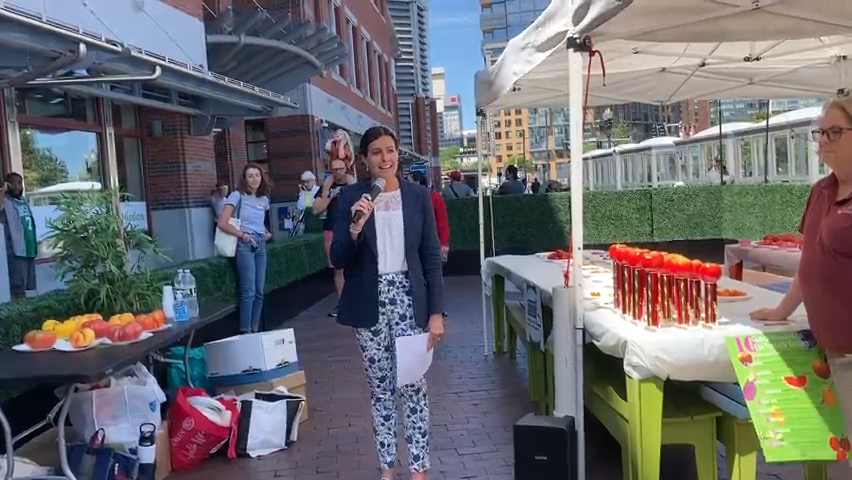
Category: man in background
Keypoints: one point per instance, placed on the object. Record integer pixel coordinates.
(512, 186)
(457, 188)
(20, 232)
(324, 202)
(718, 175)
(217, 201)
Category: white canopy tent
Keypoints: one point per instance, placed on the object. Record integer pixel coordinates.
(550, 56)
(663, 73)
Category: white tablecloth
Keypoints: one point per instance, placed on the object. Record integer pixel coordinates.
(697, 354)
(775, 260)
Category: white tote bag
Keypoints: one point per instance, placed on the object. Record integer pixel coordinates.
(269, 422)
(224, 242)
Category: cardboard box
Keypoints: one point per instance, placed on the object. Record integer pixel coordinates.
(249, 353)
(44, 449)
(295, 383)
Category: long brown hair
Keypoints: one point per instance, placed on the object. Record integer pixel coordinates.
(265, 186)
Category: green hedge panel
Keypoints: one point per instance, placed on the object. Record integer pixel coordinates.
(540, 222)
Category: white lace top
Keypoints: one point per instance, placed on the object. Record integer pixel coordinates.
(390, 233)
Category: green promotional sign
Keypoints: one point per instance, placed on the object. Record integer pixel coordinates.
(786, 383)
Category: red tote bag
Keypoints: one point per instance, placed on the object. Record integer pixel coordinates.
(193, 437)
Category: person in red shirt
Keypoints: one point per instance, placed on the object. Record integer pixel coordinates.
(825, 269)
(440, 208)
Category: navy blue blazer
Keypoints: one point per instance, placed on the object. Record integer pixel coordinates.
(359, 301)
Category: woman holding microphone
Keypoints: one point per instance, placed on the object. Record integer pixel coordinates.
(389, 250)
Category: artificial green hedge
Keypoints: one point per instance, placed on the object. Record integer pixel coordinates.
(538, 222)
(288, 261)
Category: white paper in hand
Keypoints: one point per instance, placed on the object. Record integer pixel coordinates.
(412, 358)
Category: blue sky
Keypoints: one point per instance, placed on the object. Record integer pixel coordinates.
(455, 40)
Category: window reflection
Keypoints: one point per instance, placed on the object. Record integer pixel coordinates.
(128, 151)
(54, 103)
(56, 162)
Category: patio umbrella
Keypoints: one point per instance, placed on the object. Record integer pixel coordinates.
(566, 23)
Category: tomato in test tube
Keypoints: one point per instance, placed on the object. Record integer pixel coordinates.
(710, 274)
(681, 268)
(694, 290)
(666, 288)
(652, 263)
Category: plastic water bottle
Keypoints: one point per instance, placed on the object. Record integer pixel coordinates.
(192, 294)
(181, 305)
(169, 303)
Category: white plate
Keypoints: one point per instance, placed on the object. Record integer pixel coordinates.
(164, 327)
(23, 347)
(757, 245)
(743, 298)
(145, 336)
(65, 346)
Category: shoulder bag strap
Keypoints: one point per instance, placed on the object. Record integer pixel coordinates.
(238, 208)
(454, 191)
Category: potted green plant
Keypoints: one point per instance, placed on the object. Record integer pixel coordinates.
(102, 258)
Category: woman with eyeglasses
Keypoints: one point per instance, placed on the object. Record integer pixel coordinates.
(249, 203)
(825, 269)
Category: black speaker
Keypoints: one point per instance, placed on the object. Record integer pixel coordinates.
(545, 448)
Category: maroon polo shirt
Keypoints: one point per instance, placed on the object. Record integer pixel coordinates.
(825, 270)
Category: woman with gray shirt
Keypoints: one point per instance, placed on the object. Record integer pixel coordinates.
(249, 203)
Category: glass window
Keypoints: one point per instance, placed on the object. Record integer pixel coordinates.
(507, 112)
(51, 103)
(131, 179)
(800, 154)
(508, 147)
(55, 162)
(507, 123)
(518, 111)
(256, 140)
(519, 146)
(499, 158)
(498, 135)
(509, 134)
(519, 133)
(747, 169)
(124, 116)
(782, 158)
(519, 122)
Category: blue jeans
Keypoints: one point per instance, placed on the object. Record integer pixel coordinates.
(251, 275)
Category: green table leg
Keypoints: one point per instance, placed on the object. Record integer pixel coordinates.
(645, 420)
(741, 447)
(498, 310)
(815, 471)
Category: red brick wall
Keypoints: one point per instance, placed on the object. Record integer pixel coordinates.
(231, 154)
(419, 126)
(292, 147)
(192, 7)
(181, 168)
(435, 146)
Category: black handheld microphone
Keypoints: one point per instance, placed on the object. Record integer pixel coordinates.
(378, 187)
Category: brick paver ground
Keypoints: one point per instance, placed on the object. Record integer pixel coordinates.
(475, 401)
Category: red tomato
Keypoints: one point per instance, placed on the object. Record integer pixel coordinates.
(634, 257)
(711, 272)
(695, 267)
(679, 265)
(40, 340)
(652, 261)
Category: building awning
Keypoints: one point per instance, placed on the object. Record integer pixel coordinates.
(47, 52)
(273, 49)
(408, 157)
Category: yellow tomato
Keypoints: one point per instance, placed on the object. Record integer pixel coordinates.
(50, 324)
(126, 317)
(65, 329)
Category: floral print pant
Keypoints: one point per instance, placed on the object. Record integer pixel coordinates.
(378, 349)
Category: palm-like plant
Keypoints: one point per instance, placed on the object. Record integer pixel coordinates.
(102, 258)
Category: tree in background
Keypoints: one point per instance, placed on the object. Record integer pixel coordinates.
(450, 158)
(620, 130)
(42, 168)
(759, 116)
(523, 163)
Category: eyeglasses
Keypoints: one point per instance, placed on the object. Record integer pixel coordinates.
(341, 169)
(833, 133)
